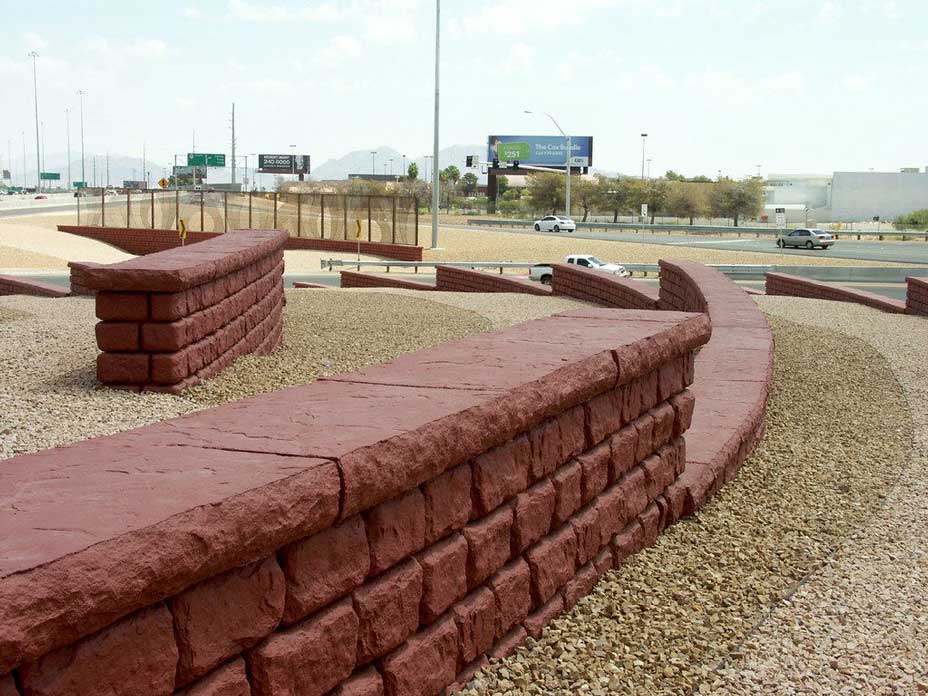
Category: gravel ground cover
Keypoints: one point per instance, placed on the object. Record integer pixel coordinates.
(481, 245)
(837, 441)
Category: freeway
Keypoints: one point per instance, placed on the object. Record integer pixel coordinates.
(898, 252)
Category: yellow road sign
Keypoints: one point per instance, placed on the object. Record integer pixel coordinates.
(357, 234)
(182, 230)
(163, 183)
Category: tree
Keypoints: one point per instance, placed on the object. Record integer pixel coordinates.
(412, 173)
(502, 185)
(546, 191)
(655, 195)
(451, 175)
(917, 218)
(613, 195)
(736, 199)
(671, 175)
(511, 204)
(469, 184)
(684, 200)
(586, 194)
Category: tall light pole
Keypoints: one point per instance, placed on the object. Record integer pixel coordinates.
(80, 93)
(404, 166)
(649, 169)
(24, 160)
(569, 152)
(391, 165)
(435, 142)
(43, 151)
(67, 125)
(644, 138)
(373, 162)
(35, 96)
(758, 171)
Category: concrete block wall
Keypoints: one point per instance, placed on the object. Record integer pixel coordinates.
(22, 285)
(601, 288)
(143, 241)
(172, 318)
(454, 279)
(351, 536)
(794, 286)
(916, 298)
(352, 279)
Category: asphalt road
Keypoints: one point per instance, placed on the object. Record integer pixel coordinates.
(913, 253)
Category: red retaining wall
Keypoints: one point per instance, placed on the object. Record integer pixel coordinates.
(916, 297)
(310, 286)
(793, 286)
(172, 318)
(353, 531)
(454, 279)
(351, 279)
(732, 379)
(23, 285)
(604, 289)
(142, 241)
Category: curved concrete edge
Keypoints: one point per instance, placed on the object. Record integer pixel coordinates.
(10, 285)
(794, 286)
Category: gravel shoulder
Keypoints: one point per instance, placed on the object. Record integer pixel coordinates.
(679, 617)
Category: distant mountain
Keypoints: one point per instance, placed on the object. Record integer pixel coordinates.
(118, 169)
(362, 162)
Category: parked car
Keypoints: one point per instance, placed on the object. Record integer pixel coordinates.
(555, 223)
(805, 237)
(544, 273)
(41, 197)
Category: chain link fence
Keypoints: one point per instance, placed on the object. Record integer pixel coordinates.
(389, 219)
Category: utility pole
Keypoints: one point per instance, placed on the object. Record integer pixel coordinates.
(9, 152)
(80, 93)
(24, 159)
(107, 170)
(67, 123)
(233, 145)
(435, 143)
(373, 162)
(644, 138)
(144, 166)
(35, 96)
(43, 152)
(95, 171)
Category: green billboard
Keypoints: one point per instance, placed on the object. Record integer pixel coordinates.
(206, 159)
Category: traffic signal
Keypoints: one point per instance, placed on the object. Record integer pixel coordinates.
(470, 161)
(514, 165)
(495, 163)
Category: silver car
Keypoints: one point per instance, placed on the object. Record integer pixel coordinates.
(806, 237)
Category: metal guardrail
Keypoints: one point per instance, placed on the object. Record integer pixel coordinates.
(706, 230)
(859, 274)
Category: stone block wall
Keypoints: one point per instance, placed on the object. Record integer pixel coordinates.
(23, 285)
(352, 536)
(794, 286)
(456, 279)
(172, 318)
(353, 279)
(603, 289)
(916, 298)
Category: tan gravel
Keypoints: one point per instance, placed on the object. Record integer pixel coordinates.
(837, 440)
(481, 245)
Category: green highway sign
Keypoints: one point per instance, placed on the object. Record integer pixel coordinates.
(49, 176)
(512, 152)
(206, 159)
(79, 184)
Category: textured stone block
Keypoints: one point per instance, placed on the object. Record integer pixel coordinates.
(501, 473)
(612, 512)
(552, 561)
(627, 542)
(663, 415)
(587, 528)
(117, 336)
(624, 452)
(489, 543)
(170, 368)
(568, 482)
(603, 415)
(545, 440)
(444, 576)
(670, 378)
(425, 664)
(635, 491)
(649, 395)
(396, 529)
(532, 514)
(118, 306)
(572, 424)
(650, 520)
(683, 405)
(645, 427)
(309, 659)
(388, 610)
(136, 655)
(476, 617)
(228, 680)
(658, 473)
(324, 567)
(165, 337)
(512, 588)
(536, 621)
(7, 687)
(509, 644)
(631, 401)
(226, 615)
(594, 466)
(365, 683)
(448, 503)
(123, 368)
(580, 585)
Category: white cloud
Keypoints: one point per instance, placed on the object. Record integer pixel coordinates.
(338, 51)
(146, 48)
(829, 12)
(34, 42)
(190, 12)
(857, 83)
(257, 12)
(521, 57)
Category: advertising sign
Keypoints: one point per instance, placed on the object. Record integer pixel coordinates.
(283, 164)
(188, 176)
(541, 150)
(206, 159)
(133, 184)
(6, 174)
(50, 176)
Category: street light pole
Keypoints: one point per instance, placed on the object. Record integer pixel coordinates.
(373, 162)
(644, 137)
(435, 142)
(67, 122)
(649, 169)
(80, 93)
(569, 152)
(35, 95)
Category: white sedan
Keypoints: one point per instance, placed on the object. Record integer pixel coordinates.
(555, 223)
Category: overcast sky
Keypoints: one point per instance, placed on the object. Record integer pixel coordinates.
(800, 86)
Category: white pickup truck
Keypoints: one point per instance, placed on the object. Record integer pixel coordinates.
(542, 271)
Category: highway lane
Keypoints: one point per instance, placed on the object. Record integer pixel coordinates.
(914, 253)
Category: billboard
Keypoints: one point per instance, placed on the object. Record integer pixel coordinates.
(283, 164)
(189, 176)
(540, 150)
(134, 184)
(6, 174)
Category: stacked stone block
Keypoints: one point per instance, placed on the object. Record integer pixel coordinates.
(916, 301)
(352, 279)
(603, 289)
(172, 318)
(794, 286)
(454, 279)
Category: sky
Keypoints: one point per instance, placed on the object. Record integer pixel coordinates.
(795, 86)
